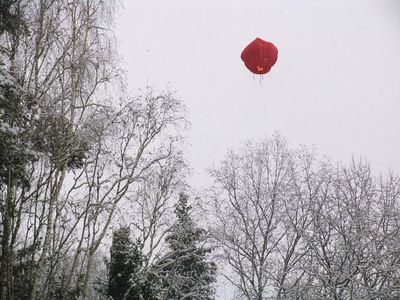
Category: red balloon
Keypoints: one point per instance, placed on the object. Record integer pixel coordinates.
(259, 56)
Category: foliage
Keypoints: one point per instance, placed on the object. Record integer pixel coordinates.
(185, 271)
(10, 20)
(127, 280)
(22, 272)
(17, 123)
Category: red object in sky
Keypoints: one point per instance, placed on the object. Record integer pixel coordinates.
(259, 56)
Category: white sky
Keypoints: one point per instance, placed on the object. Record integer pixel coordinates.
(336, 84)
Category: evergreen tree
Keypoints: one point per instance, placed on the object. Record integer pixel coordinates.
(22, 268)
(185, 271)
(127, 280)
(17, 119)
(11, 19)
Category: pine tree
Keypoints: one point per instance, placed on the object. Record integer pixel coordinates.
(17, 119)
(127, 280)
(185, 271)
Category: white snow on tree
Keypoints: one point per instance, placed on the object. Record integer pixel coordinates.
(185, 271)
(127, 280)
(17, 120)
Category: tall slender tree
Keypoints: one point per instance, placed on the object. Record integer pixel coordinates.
(126, 280)
(16, 153)
(186, 272)
(124, 263)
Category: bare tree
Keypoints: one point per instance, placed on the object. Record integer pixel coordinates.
(308, 178)
(351, 250)
(151, 204)
(249, 201)
(293, 226)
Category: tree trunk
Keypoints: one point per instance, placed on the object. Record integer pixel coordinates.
(6, 251)
(49, 231)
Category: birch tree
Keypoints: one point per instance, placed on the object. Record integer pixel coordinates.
(93, 148)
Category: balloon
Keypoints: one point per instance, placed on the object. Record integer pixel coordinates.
(259, 56)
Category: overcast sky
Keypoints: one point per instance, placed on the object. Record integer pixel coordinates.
(336, 84)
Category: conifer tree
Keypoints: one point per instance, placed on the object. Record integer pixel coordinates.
(17, 152)
(185, 271)
(127, 280)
